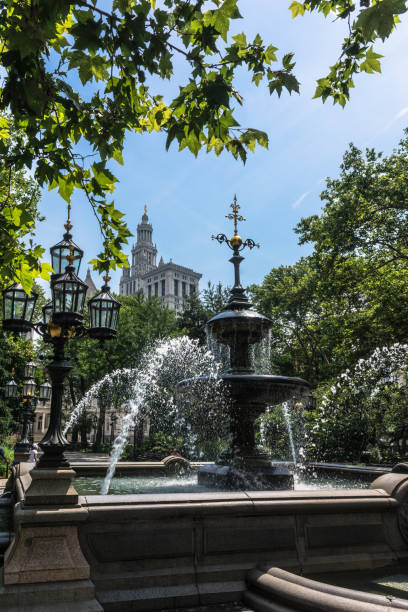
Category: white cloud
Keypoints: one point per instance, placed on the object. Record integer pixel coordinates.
(300, 199)
(402, 112)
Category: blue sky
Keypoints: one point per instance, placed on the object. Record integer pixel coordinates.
(188, 198)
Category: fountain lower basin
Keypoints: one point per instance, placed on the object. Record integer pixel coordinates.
(199, 548)
(243, 465)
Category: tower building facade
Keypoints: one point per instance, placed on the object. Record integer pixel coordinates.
(169, 282)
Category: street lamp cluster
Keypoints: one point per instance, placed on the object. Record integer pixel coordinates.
(63, 318)
(29, 399)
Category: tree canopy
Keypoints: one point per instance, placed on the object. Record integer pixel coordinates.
(339, 315)
(20, 257)
(76, 76)
(348, 297)
(365, 209)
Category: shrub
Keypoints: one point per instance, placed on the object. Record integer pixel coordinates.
(8, 445)
(155, 447)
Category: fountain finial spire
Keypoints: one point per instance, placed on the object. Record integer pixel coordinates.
(236, 244)
(235, 216)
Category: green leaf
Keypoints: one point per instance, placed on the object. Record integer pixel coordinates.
(270, 55)
(240, 39)
(297, 8)
(65, 187)
(379, 18)
(371, 63)
(117, 156)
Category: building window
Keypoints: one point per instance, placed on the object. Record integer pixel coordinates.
(176, 287)
(163, 287)
(39, 423)
(192, 289)
(183, 288)
(156, 289)
(149, 291)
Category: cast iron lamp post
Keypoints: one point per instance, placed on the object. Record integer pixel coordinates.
(29, 402)
(62, 319)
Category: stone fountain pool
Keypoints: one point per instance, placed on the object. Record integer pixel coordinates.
(125, 485)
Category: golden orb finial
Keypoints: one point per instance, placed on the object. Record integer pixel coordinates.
(236, 241)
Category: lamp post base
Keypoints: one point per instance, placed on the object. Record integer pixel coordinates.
(51, 487)
(21, 452)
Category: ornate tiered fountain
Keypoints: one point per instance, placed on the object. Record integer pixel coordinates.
(244, 465)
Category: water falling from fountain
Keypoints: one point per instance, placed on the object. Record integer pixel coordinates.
(153, 390)
(261, 355)
(286, 414)
(117, 449)
(121, 376)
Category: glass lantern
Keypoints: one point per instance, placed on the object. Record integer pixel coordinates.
(60, 252)
(309, 401)
(29, 387)
(103, 315)
(11, 389)
(68, 298)
(47, 311)
(18, 308)
(30, 369)
(45, 391)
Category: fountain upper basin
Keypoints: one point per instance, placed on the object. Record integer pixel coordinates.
(256, 389)
(226, 326)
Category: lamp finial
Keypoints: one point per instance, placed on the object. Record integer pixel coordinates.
(68, 225)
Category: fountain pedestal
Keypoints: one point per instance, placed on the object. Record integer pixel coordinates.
(241, 477)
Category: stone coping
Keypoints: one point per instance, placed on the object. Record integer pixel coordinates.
(345, 467)
(229, 503)
(237, 496)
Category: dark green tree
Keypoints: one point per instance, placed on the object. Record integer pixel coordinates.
(365, 209)
(336, 306)
(199, 309)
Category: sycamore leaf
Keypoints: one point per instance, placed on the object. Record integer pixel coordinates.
(117, 156)
(379, 18)
(297, 8)
(371, 63)
(46, 270)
